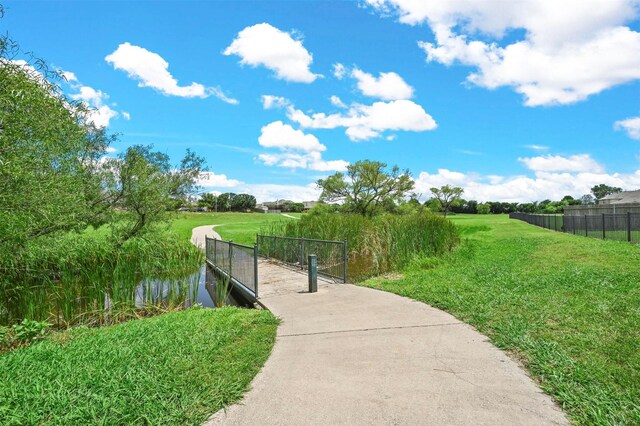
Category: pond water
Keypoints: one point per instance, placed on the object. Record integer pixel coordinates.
(76, 302)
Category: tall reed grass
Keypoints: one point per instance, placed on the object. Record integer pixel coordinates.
(376, 245)
(87, 278)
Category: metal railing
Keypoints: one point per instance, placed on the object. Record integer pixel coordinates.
(237, 262)
(620, 227)
(331, 255)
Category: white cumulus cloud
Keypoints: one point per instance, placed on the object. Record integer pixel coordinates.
(543, 185)
(337, 102)
(308, 160)
(283, 136)
(296, 149)
(270, 101)
(339, 71)
(569, 50)
(151, 70)
(629, 125)
(558, 163)
(388, 86)
(364, 122)
(266, 45)
(100, 112)
(213, 180)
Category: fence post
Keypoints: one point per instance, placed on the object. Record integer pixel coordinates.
(301, 253)
(344, 259)
(255, 269)
(230, 258)
(257, 246)
(603, 228)
(629, 226)
(313, 273)
(573, 223)
(215, 251)
(586, 226)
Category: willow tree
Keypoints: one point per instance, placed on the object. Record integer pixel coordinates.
(146, 186)
(49, 154)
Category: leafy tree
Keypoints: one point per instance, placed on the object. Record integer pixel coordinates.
(413, 205)
(587, 200)
(602, 190)
(484, 208)
(243, 202)
(292, 207)
(224, 201)
(527, 207)
(208, 200)
(447, 196)
(146, 186)
(49, 154)
(366, 187)
(465, 206)
(322, 208)
(432, 204)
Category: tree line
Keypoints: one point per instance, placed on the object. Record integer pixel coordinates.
(449, 199)
(369, 188)
(227, 202)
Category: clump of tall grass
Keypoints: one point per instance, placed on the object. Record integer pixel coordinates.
(379, 244)
(65, 279)
(222, 290)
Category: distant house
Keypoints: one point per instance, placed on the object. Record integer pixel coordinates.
(309, 205)
(625, 197)
(261, 208)
(619, 203)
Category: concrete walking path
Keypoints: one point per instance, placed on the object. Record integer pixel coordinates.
(350, 355)
(199, 233)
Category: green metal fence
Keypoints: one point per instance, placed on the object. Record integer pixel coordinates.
(620, 227)
(331, 255)
(237, 262)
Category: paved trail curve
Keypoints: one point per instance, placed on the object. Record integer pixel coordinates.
(350, 355)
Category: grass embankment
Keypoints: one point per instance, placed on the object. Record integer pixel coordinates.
(176, 368)
(568, 306)
(238, 227)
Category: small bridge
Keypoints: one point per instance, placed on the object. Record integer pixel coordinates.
(275, 266)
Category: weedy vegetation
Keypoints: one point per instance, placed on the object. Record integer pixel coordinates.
(378, 244)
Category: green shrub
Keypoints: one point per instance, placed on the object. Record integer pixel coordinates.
(379, 244)
(29, 330)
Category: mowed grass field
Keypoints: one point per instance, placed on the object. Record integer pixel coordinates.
(238, 227)
(567, 306)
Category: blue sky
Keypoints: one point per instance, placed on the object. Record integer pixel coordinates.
(512, 101)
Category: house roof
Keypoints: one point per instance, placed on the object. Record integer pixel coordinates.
(623, 197)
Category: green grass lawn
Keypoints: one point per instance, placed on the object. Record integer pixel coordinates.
(567, 306)
(176, 368)
(238, 227)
